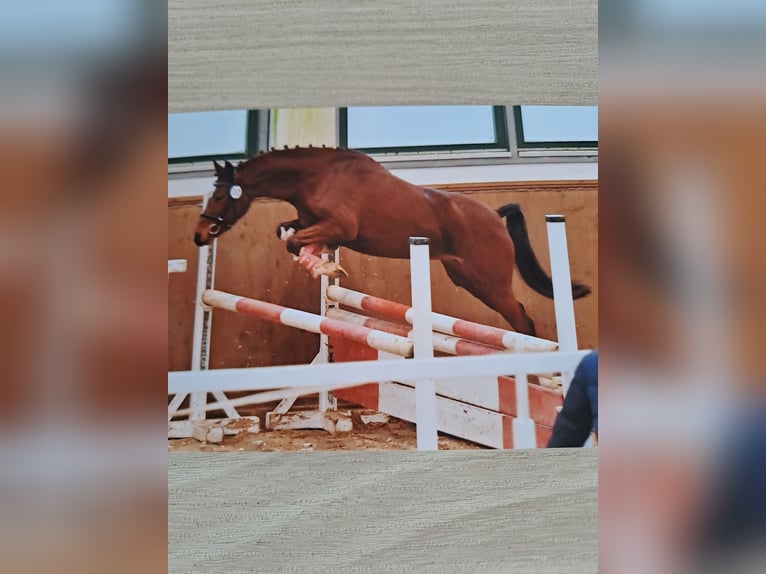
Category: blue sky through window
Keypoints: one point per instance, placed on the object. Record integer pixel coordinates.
(225, 132)
(687, 15)
(207, 133)
(51, 27)
(560, 123)
(403, 126)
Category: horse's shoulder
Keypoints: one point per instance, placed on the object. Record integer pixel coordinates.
(439, 195)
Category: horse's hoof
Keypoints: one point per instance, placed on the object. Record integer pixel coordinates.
(329, 268)
(340, 271)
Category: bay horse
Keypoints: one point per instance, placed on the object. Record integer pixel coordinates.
(345, 198)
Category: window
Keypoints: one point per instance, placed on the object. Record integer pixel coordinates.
(498, 131)
(392, 130)
(556, 126)
(423, 128)
(212, 135)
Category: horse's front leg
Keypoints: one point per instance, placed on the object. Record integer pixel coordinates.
(307, 255)
(287, 229)
(306, 245)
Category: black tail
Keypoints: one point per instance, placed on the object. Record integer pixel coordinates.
(526, 260)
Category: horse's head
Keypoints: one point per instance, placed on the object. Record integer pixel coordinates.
(226, 206)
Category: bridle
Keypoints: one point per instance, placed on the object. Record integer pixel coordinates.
(234, 193)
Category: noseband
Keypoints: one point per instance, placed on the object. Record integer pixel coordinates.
(235, 192)
(216, 218)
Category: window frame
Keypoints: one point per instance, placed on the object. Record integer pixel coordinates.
(252, 143)
(507, 122)
(521, 144)
(502, 140)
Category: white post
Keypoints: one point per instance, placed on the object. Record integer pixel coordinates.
(425, 389)
(523, 425)
(326, 400)
(202, 323)
(176, 266)
(566, 329)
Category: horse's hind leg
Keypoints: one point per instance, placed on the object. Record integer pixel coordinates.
(505, 303)
(492, 286)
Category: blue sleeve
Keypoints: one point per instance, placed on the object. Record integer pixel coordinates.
(579, 416)
(736, 517)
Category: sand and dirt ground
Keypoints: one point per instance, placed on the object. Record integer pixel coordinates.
(394, 434)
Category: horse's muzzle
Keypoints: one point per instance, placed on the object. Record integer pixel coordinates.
(198, 240)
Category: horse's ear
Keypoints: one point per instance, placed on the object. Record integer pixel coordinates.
(230, 171)
(218, 168)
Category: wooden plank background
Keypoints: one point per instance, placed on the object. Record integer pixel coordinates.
(253, 262)
(505, 511)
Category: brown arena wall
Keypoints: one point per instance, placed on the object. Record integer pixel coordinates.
(252, 261)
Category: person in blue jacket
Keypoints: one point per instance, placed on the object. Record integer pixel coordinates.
(732, 529)
(579, 416)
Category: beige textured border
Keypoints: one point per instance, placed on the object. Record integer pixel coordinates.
(522, 511)
(242, 54)
(500, 511)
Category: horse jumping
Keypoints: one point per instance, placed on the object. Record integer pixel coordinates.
(346, 199)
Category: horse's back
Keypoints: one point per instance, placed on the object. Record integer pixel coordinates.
(390, 211)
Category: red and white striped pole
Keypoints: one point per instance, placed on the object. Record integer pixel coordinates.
(309, 322)
(484, 334)
(442, 343)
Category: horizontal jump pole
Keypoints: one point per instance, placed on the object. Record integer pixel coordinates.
(477, 332)
(309, 322)
(335, 375)
(442, 343)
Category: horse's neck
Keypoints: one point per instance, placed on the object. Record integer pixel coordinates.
(276, 180)
(274, 188)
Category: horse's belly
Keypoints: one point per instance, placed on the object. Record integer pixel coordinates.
(385, 230)
(394, 247)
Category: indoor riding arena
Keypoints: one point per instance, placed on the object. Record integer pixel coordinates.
(241, 300)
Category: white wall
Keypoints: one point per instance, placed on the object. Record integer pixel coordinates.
(499, 172)
(198, 185)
